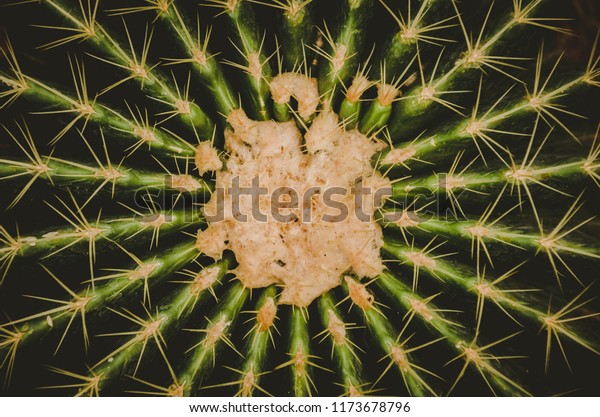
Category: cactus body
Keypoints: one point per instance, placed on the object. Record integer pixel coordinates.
(467, 267)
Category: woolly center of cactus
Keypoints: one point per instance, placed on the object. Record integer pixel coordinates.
(296, 212)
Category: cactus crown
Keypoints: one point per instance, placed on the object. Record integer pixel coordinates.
(456, 247)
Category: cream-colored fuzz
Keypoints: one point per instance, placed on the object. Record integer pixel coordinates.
(207, 158)
(359, 85)
(305, 90)
(184, 183)
(399, 156)
(387, 93)
(305, 256)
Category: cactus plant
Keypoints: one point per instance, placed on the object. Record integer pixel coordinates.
(459, 256)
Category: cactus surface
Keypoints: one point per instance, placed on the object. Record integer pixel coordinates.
(460, 256)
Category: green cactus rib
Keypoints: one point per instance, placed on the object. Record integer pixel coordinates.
(204, 353)
(342, 347)
(87, 304)
(257, 348)
(376, 117)
(296, 30)
(479, 53)
(136, 132)
(248, 43)
(281, 112)
(473, 282)
(204, 63)
(350, 112)
(301, 361)
(480, 129)
(554, 325)
(154, 328)
(62, 172)
(417, 25)
(153, 83)
(479, 272)
(479, 232)
(45, 244)
(342, 53)
(491, 181)
(412, 374)
(452, 334)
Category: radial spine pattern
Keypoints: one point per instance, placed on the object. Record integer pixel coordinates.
(419, 183)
